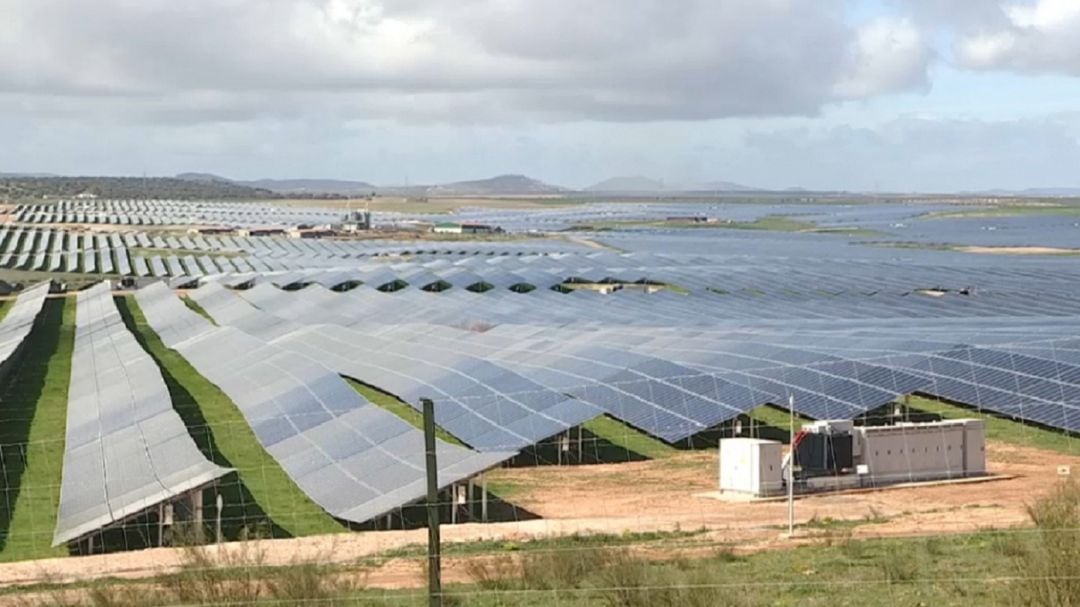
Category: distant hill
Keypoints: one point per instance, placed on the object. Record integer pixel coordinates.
(203, 178)
(1050, 192)
(1063, 192)
(716, 186)
(128, 187)
(627, 184)
(7, 175)
(503, 185)
(646, 184)
(313, 186)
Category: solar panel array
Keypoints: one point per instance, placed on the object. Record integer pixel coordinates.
(19, 321)
(126, 449)
(842, 337)
(171, 212)
(355, 459)
(483, 404)
(145, 255)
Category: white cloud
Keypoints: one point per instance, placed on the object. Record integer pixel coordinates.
(888, 55)
(1043, 36)
(412, 60)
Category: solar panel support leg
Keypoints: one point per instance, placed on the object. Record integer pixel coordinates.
(470, 500)
(161, 525)
(453, 504)
(197, 508)
(483, 498)
(220, 503)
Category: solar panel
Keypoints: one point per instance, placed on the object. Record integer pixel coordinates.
(353, 458)
(19, 321)
(126, 449)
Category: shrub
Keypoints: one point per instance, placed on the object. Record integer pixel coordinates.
(1048, 567)
(231, 577)
(899, 564)
(552, 570)
(494, 573)
(629, 581)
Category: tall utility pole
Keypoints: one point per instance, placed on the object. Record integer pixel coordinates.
(791, 467)
(434, 560)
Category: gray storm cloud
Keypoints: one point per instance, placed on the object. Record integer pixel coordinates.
(428, 60)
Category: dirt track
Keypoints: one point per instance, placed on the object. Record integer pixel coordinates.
(660, 495)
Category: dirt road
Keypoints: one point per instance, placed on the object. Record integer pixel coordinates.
(658, 495)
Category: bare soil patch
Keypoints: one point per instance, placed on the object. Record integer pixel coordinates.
(656, 495)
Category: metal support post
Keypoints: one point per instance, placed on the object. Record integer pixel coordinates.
(791, 467)
(161, 525)
(434, 560)
(453, 504)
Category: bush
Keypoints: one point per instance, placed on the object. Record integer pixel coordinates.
(899, 564)
(494, 573)
(1049, 567)
(235, 577)
(552, 570)
(629, 581)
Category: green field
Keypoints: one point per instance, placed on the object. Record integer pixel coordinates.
(769, 223)
(265, 500)
(777, 418)
(401, 409)
(621, 435)
(1013, 210)
(33, 398)
(831, 570)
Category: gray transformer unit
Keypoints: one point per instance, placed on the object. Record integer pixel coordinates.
(836, 454)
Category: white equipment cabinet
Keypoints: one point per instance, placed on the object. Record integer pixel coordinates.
(750, 465)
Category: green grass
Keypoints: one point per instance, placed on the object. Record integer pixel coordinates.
(770, 223)
(401, 409)
(1016, 210)
(851, 231)
(266, 500)
(975, 569)
(33, 398)
(1001, 429)
(777, 418)
(546, 544)
(962, 570)
(5, 307)
(773, 223)
(621, 435)
(198, 309)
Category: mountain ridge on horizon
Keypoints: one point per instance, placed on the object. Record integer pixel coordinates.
(518, 184)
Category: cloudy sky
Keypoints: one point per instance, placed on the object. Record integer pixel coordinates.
(928, 95)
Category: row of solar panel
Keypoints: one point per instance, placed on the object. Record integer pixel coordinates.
(126, 449)
(727, 369)
(354, 459)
